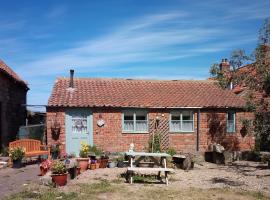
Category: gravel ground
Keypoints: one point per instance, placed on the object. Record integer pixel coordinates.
(250, 176)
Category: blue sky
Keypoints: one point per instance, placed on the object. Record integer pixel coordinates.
(148, 39)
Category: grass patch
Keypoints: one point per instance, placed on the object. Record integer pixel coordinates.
(48, 195)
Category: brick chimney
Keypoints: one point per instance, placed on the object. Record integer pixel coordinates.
(224, 66)
(71, 81)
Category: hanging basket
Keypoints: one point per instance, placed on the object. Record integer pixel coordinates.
(55, 132)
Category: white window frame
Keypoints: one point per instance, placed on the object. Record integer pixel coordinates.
(229, 121)
(180, 113)
(135, 112)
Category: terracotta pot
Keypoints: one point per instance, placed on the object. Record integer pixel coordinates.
(103, 163)
(59, 179)
(97, 165)
(83, 163)
(92, 166)
(78, 171)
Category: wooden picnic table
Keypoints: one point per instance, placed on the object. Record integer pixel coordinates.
(135, 159)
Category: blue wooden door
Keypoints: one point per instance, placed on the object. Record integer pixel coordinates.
(78, 129)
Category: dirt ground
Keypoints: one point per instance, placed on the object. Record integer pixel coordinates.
(240, 180)
(243, 175)
(15, 180)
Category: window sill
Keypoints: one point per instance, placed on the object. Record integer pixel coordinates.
(181, 132)
(132, 132)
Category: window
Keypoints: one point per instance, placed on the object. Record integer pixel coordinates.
(231, 122)
(135, 121)
(79, 124)
(182, 121)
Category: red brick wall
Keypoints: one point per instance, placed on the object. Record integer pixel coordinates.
(110, 137)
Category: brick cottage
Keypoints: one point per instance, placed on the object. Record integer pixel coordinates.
(190, 115)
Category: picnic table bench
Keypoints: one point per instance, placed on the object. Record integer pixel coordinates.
(32, 147)
(161, 166)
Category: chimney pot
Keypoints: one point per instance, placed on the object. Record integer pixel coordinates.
(71, 81)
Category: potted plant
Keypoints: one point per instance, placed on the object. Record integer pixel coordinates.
(59, 173)
(45, 166)
(55, 151)
(83, 160)
(104, 161)
(16, 154)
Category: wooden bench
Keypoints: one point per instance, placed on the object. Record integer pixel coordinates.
(32, 147)
(130, 171)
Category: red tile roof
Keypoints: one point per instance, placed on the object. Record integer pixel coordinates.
(90, 92)
(9, 72)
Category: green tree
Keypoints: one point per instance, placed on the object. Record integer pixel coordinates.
(256, 77)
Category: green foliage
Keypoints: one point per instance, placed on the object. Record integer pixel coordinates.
(16, 153)
(154, 143)
(171, 151)
(58, 167)
(95, 150)
(218, 75)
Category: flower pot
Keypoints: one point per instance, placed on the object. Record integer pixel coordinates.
(17, 164)
(78, 171)
(83, 163)
(112, 164)
(103, 163)
(97, 165)
(92, 166)
(59, 179)
(72, 172)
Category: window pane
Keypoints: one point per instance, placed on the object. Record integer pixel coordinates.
(175, 125)
(231, 122)
(129, 125)
(187, 115)
(175, 116)
(128, 116)
(141, 125)
(79, 124)
(187, 125)
(231, 115)
(141, 117)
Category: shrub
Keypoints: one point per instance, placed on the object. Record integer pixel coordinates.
(171, 151)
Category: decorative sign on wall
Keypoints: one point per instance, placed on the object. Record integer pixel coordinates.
(100, 122)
